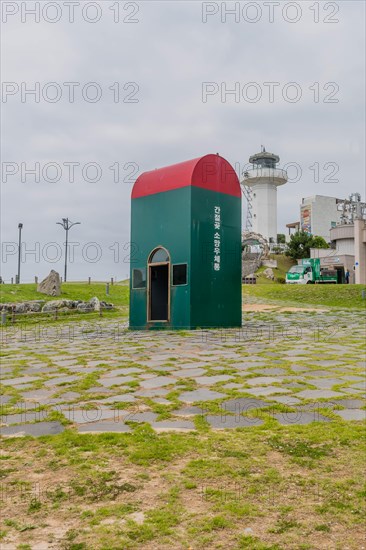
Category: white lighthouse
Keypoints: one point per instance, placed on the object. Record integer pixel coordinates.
(262, 180)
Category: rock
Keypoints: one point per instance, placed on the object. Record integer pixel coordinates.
(105, 305)
(95, 303)
(269, 263)
(84, 307)
(268, 273)
(53, 305)
(35, 306)
(51, 285)
(20, 308)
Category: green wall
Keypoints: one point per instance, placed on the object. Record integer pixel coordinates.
(182, 221)
(215, 295)
(161, 219)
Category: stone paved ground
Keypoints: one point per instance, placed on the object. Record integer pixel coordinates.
(295, 367)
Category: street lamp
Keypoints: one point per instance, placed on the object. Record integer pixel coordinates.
(20, 227)
(67, 225)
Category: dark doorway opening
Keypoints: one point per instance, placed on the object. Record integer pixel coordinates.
(159, 292)
(340, 275)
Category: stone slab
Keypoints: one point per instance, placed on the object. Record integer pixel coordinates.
(86, 416)
(121, 372)
(116, 381)
(4, 399)
(210, 380)
(125, 398)
(152, 393)
(161, 401)
(147, 416)
(326, 383)
(67, 379)
(202, 394)
(265, 390)
(158, 382)
(189, 411)
(38, 394)
(233, 386)
(350, 403)
(23, 417)
(19, 380)
(241, 405)
(35, 430)
(359, 386)
(189, 373)
(260, 380)
(286, 400)
(352, 414)
(299, 418)
(318, 394)
(271, 371)
(222, 422)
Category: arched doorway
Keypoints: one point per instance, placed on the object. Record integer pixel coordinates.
(159, 285)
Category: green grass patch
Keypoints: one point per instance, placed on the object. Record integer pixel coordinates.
(339, 296)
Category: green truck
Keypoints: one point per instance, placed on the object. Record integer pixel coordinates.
(309, 272)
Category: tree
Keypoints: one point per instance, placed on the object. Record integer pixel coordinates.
(300, 244)
(281, 238)
(319, 242)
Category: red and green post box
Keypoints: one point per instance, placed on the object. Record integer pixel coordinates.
(186, 243)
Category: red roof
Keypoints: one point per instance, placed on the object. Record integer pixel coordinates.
(209, 172)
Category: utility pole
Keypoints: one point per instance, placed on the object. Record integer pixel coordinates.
(20, 227)
(67, 225)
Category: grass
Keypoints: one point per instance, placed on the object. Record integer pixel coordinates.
(339, 296)
(118, 296)
(118, 293)
(268, 487)
(283, 265)
(197, 490)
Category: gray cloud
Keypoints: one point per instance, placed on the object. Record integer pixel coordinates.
(169, 54)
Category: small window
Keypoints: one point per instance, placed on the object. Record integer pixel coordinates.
(333, 224)
(158, 256)
(139, 278)
(179, 274)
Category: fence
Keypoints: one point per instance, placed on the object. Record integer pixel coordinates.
(12, 317)
(14, 281)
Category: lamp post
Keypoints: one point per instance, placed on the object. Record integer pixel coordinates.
(20, 227)
(67, 225)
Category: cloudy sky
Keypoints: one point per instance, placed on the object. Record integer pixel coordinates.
(124, 87)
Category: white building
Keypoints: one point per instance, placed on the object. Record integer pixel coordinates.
(319, 214)
(263, 180)
(348, 252)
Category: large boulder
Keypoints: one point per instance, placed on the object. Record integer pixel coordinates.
(51, 285)
(52, 305)
(269, 273)
(95, 303)
(85, 307)
(34, 306)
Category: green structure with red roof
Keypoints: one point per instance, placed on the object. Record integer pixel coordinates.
(186, 246)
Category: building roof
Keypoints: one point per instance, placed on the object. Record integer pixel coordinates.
(210, 172)
(264, 155)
